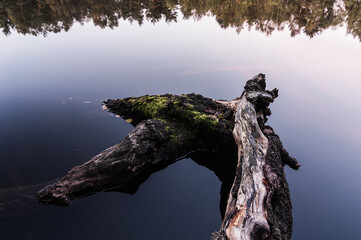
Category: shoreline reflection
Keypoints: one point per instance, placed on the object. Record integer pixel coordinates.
(39, 17)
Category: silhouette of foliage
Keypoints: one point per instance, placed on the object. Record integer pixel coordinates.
(308, 16)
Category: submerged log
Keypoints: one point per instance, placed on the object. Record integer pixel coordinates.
(228, 137)
(20, 201)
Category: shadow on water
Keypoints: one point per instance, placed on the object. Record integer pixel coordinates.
(310, 17)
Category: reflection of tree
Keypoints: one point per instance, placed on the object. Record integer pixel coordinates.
(353, 17)
(43, 16)
(308, 16)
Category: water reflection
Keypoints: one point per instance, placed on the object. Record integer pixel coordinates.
(41, 137)
(309, 17)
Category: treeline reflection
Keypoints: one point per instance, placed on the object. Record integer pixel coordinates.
(308, 16)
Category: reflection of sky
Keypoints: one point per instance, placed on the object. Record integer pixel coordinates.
(316, 115)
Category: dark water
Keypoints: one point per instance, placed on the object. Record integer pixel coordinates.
(51, 119)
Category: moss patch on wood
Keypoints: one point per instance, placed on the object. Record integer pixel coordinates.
(189, 117)
(170, 107)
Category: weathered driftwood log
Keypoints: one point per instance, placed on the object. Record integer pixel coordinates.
(255, 201)
(260, 187)
(167, 128)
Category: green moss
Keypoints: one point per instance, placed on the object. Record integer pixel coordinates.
(199, 118)
(151, 106)
(170, 108)
(178, 135)
(168, 128)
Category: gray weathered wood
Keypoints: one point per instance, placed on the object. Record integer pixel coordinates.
(255, 199)
(251, 210)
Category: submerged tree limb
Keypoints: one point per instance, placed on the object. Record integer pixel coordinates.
(255, 201)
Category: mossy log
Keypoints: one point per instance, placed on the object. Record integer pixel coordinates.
(228, 137)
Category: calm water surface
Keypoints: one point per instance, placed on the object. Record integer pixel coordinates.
(51, 119)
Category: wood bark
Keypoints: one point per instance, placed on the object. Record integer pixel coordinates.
(247, 208)
(167, 129)
(228, 137)
(259, 205)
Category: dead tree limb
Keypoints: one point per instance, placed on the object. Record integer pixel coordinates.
(259, 205)
(168, 128)
(255, 201)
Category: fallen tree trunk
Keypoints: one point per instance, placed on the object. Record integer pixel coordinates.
(255, 201)
(252, 212)
(168, 128)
